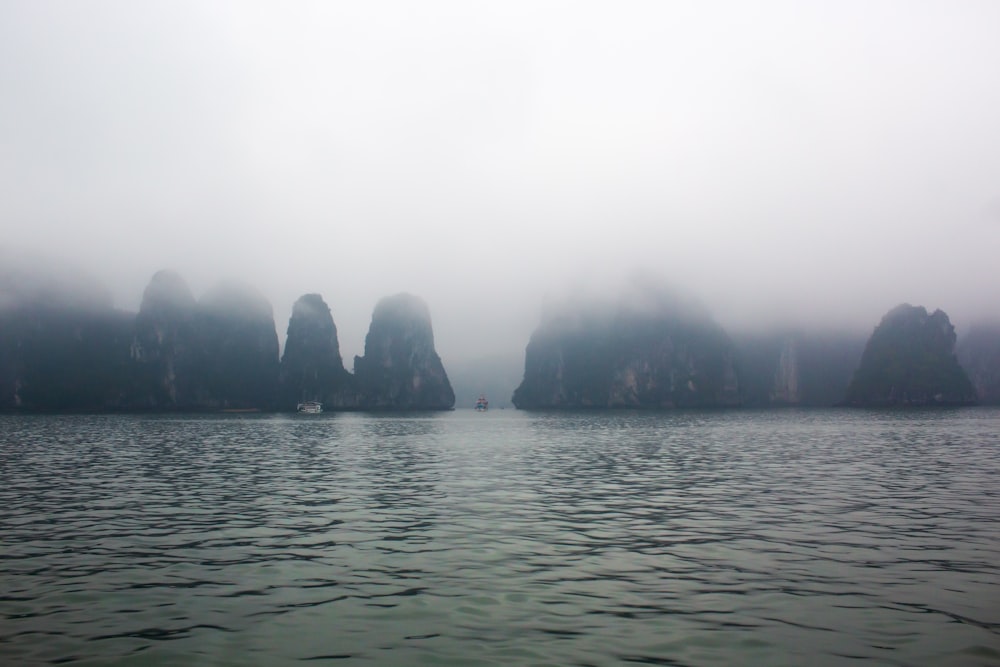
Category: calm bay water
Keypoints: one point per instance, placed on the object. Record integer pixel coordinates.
(505, 538)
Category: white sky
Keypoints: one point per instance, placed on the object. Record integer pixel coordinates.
(783, 160)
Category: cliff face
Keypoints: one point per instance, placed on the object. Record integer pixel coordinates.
(979, 354)
(400, 368)
(910, 360)
(568, 362)
(786, 375)
(237, 356)
(796, 368)
(311, 367)
(62, 345)
(646, 351)
(165, 346)
(63, 359)
(220, 353)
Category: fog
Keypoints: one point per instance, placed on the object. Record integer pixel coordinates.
(789, 162)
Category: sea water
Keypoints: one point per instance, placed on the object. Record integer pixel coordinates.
(502, 538)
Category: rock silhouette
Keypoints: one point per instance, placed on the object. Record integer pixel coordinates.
(910, 360)
(311, 367)
(650, 349)
(400, 368)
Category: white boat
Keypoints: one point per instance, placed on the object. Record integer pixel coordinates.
(482, 405)
(310, 407)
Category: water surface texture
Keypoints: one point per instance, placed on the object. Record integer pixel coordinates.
(504, 538)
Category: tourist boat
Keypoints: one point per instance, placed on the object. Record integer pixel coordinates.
(482, 405)
(310, 407)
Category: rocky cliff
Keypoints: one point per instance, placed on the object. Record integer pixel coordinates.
(237, 355)
(400, 368)
(166, 347)
(649, 349)
(910, 360)
(796, 368)
(219, 353)
(63, 359)
(979, 354)
(62, 345)
(311, 367)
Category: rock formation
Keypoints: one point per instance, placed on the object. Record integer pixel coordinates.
(910, 360)
(219, 353)
(647, 350)
(55, 359)
(62, 345)
(311, 367)
(166, 346)
(979, 354)
(400, 369)
(786, 376)
(796, 368)
(238, 349)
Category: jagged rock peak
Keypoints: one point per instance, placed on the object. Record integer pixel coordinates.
(400, 368)
(167, 292)
(910, 360)
(311, 367)
(404, 310)
(311, 326)
(310, 307)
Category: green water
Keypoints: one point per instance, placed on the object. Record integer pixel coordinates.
(504, 538)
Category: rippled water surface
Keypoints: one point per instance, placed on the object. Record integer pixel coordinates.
(505, 538)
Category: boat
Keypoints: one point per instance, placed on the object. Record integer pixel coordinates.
(310, 407)
(482, 405)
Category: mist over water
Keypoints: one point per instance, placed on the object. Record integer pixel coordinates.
(783, 162)
(689, 538)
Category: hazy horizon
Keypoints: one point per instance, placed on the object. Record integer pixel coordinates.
(784, 162)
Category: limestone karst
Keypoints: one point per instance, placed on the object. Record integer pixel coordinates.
(910, 360)
(311, 366)
(400, 368)
(649, 348)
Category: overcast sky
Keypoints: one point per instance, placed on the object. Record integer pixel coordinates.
(805, 160)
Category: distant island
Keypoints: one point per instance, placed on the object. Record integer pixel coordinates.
(653, 349)
(649, 349)
(910, 360)
(63, 347)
